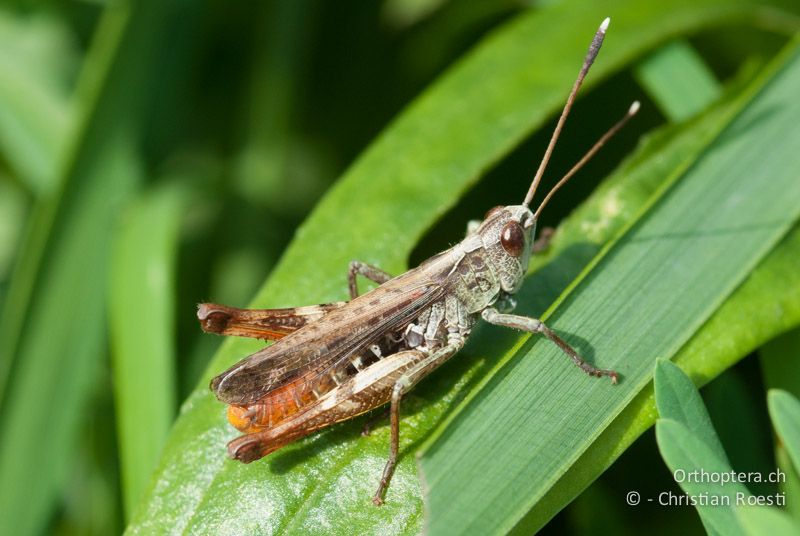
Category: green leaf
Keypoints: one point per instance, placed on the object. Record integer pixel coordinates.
(767, 303)
(693, 448)
(141, 313)
(677, 399)
(266, 171)
(678, 80)
(408, 12)
(790, 487)
(641, 299)
(52, 329)
(13, 207)
(35, 113)
(759, 520)
(779, 367)
(686, 454)
(600, 218)
(440, 145)
(614, 203)
(785, 412)
(779, 362)
(738, 415)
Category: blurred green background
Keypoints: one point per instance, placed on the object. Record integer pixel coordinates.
(154, 155)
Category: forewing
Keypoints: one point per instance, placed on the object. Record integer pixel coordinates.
(343, 331)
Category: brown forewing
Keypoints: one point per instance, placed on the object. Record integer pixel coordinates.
(318, 346)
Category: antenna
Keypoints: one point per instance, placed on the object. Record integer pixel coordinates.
(596, 147)
(594, 48)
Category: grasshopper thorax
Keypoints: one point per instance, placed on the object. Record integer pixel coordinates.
(507, 234)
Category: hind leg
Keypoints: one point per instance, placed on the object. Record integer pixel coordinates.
(402, 386)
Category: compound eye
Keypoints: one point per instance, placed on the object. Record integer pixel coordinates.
(492, 211)
(512, 238)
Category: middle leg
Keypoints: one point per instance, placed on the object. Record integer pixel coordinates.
(370, 272)
(373, 420)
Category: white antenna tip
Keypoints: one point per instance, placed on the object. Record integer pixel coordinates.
(604, 25)
(634, 108)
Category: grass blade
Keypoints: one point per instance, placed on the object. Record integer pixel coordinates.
(141, 311)
(677, 399)
(779, 367)
(59, 284)
(785, 412)
(757, 520)
(685, 453)
(35, 112)
(391, 196)
(779, 363)
(737, 328)
(679, 81)
(666, 253)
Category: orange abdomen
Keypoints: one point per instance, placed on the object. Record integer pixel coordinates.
(273, 408)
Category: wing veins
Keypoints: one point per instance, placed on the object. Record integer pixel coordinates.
(260, 373)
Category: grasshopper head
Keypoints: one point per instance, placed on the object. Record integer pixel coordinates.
(507, 234)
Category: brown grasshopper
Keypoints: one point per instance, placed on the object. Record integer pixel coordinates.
(335, 361)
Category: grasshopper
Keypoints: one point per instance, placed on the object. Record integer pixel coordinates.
(332, 362)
